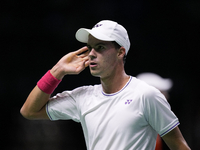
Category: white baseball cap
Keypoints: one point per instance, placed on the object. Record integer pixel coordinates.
(106, 30)
(162, 84)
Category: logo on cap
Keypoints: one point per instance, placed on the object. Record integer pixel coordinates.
(97, 25)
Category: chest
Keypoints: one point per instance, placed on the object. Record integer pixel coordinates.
(113, 115)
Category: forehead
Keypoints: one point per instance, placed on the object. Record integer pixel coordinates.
(93, 41)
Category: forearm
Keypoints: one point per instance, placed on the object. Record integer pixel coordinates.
(179, 145)
(72, 63)
(182, 146)
(175, 140)
(34, 106)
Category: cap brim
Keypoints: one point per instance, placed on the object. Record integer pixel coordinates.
(82, 35)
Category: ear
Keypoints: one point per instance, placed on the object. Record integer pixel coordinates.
(121, 52)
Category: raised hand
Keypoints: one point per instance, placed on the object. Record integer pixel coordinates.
(72, 63)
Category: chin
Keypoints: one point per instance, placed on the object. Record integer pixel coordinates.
(95, 74)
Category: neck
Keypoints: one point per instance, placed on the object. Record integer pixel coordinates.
(114, 83)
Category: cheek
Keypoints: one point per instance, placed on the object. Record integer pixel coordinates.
(109, 61)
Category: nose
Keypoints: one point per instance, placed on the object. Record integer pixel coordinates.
(92, 53)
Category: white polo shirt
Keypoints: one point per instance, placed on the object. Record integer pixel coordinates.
(127, 120)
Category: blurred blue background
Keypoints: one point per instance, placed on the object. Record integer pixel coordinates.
(165, 39)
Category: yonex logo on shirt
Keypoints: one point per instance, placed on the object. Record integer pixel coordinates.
(128, 101)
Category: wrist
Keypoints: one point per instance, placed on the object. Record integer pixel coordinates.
(57, 72)
(48, 83)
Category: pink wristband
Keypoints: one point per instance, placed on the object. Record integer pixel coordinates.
(48, 83)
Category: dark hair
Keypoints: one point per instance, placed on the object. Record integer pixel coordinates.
(117, 46)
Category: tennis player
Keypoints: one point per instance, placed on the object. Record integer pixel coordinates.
(120, 113)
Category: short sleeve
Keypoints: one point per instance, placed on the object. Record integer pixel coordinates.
(62, 107)
(158, 113)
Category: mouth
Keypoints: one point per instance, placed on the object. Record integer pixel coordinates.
(92, 64)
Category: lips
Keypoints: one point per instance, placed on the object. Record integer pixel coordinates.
(92, 64)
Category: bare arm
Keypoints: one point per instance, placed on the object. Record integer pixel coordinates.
(72, 63)
(34, 107)
(175, 140)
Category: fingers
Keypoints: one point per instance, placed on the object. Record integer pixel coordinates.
(86, 63)
(84, 55)
(81, 50)
(82, 65)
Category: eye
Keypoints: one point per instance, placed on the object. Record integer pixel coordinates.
(99, 48)
(89, 48)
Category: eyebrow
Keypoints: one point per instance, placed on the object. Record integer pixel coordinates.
(97, 44)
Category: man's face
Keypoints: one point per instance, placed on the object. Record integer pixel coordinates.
(103, 57)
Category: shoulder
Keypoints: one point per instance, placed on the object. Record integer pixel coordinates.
(147, 93)
(142, 88)
(78, 92)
